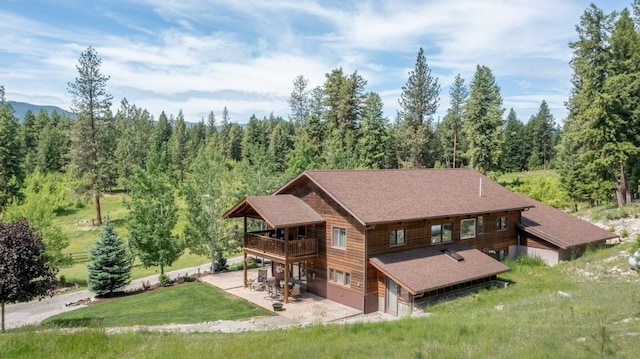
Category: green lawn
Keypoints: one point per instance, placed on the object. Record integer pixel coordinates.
(185, 303)
(576, 309)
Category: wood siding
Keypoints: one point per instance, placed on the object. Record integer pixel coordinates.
(350, 260)
(418, 235)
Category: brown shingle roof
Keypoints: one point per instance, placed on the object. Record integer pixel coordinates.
(560, 228)
(278, 211)
(426, 269)
(379, 196)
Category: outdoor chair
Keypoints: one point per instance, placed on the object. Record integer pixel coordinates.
(295, 291)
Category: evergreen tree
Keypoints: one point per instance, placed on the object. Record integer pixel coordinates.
(539, 133)
(236, 134)
(304, 156)
(621, 101)
(11, 154)
(159, 156)
(109, 268)
(253, 138)
(515, 151)
(31, 133)
(280, 144)
(299, 102)
(24, 272)
(152, 217)
(449, 132)
(483, 122)
(212, 126)
(343, 99)
(374, 134)
(90, 102)
(179, 146)
(133, 125)
(598, 144)
(418, 102)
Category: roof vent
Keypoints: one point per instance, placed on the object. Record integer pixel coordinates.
(453, 255)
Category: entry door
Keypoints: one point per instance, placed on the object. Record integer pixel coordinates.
(392, 297)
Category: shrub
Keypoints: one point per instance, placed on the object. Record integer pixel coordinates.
(624, 233)
(164, 280)
(63, 281)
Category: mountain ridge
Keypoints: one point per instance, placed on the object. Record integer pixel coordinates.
(21, 108)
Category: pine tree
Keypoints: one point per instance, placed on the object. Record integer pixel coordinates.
(299, 102)
(418, 102)
(90, 102)
(280, 144)
(449, 132)
(110, 263)
(483, 123)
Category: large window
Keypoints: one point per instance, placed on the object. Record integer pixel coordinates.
(441, 233)
(501, 223)
(339, 277)
(467, 228)
(339, 238)
(397, 237)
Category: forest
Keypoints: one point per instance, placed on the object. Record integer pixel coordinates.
(50, 162)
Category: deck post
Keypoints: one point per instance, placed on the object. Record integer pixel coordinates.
(244, 266)
(286, 266)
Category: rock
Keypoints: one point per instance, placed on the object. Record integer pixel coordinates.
(564, 294)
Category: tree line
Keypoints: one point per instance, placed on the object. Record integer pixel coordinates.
(338, 125)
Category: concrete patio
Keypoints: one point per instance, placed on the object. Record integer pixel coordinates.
(307, 309)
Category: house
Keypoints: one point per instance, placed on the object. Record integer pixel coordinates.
(381, 240)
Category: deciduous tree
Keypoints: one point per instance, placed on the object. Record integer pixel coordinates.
(153, 214)
(24, 270)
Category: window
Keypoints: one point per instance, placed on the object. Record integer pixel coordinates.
(501, 223)
(397, 237)
(302, 231)
(339, 238)
(467, 228)
(441, 233)
(339, 277)
(480, 224)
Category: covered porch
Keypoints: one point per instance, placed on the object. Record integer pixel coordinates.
(287, 238)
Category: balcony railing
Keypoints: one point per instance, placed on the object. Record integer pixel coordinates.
(279, 247)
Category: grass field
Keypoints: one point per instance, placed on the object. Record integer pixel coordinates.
(184, 303)
(582, 309)
(76, 224)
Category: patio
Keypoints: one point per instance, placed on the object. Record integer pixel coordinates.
(305, 310)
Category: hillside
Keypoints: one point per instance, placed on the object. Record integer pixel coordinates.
(20, 108)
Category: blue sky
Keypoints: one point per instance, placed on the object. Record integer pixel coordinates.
(202, 55)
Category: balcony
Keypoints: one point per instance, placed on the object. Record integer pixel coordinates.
(261, 244)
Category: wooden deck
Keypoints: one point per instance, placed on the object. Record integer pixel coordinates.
(285, 250)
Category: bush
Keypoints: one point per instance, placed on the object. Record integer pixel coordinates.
(63, 281)
(238, 266)
(164, 280)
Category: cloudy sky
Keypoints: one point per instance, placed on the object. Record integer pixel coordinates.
(202, 55)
